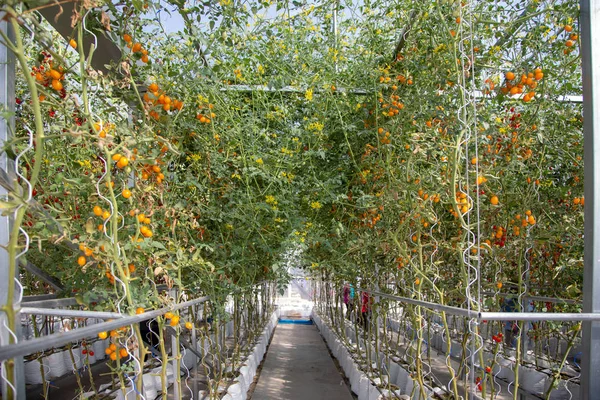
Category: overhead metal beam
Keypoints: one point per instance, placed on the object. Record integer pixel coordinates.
(478, 94)
(288, 89)
(38, 297)
(52, 303)
(43, 275)
(404, 34)
(59, 16)
(590, 59)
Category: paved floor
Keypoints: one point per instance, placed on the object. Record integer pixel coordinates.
(298, 367)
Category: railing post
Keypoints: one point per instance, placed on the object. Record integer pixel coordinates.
(7, 104)
(590, 55)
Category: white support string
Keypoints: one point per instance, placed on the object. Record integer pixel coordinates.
(467, 117)
(19, 288)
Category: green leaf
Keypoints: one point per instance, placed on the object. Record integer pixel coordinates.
(138, 4)
(158, 245)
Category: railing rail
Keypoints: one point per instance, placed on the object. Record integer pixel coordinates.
(490, 316)
(59, 339)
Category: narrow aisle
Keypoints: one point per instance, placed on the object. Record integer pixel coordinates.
(298, 367)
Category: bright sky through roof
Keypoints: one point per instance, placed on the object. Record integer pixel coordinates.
(168, 16)
(171, 20)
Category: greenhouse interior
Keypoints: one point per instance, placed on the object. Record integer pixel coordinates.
(306, 199)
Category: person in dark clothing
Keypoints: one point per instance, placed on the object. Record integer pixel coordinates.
(349, 300)
(510, 327)
(365, 310)
(149, 330)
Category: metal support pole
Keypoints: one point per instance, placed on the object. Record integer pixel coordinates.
(7, 104)
(590, 57)
(335, 31)
(43, 275)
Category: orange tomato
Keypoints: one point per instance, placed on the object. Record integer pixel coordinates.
(123, 162)
(54, 74)
(57, 85)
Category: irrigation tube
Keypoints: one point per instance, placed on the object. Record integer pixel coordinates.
(62, 338)
(492, 316)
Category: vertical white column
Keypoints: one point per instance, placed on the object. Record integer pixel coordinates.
(7, 168)
(590, 54)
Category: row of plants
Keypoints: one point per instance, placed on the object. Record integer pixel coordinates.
(463, 176)
(206, 344)
(405, 349)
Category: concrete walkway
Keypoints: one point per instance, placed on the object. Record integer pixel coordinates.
(298, 367)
